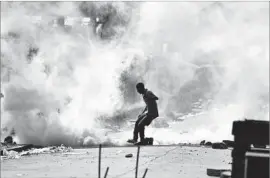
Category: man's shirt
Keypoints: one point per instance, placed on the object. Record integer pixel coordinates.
(150, 100)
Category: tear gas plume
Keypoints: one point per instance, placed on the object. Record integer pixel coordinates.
(75, 85)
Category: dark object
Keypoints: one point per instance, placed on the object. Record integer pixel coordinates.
(146, 141)
(8, 140)
(137, 162)
(129, 155)
(99, 160)
(106, 173)
(229, 143)
(246, 133)
(226, 174)
(208, 144)
(219, 146)
(145, 172)
(257, 165)
(202, 142)
(251, 132)
(149, 141)
(215, 172)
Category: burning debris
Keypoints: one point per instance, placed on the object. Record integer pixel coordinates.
(11, 154)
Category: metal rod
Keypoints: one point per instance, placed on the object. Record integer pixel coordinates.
(107, 170)
(137, 162)
(145, 172)
(99, 161)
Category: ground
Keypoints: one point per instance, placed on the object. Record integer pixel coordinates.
(162, 162)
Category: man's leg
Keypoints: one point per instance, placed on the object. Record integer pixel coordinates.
(145, 121)
(136, 129)
(141, 131)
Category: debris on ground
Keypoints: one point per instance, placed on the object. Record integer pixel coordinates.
(34, 151)
(17, 147)
(129, 155)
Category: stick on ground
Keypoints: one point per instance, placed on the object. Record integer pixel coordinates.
(107, 170)
(99, 161)
(145, 172)
(137, 162)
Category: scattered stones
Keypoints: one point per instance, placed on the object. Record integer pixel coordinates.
(220, 145)
(129, 155)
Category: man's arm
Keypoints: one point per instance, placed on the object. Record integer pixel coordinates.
(145, 109)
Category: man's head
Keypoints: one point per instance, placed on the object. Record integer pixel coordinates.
(140, 88)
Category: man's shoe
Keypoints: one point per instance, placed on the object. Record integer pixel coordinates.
(132, 141)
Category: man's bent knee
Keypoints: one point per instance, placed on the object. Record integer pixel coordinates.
(146, 121)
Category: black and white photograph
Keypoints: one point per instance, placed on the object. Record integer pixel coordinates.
(135, 89)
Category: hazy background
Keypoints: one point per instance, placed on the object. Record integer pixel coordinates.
(208, 62)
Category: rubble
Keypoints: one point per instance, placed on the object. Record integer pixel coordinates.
(34, 151)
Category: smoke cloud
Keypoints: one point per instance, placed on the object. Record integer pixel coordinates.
(206, 61)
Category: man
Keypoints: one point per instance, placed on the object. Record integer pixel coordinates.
(145, 118)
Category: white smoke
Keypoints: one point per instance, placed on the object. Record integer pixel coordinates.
(205, 60)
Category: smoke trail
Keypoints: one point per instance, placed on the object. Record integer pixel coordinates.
(207, 62)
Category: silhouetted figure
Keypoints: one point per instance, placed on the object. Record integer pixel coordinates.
(145, 118)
